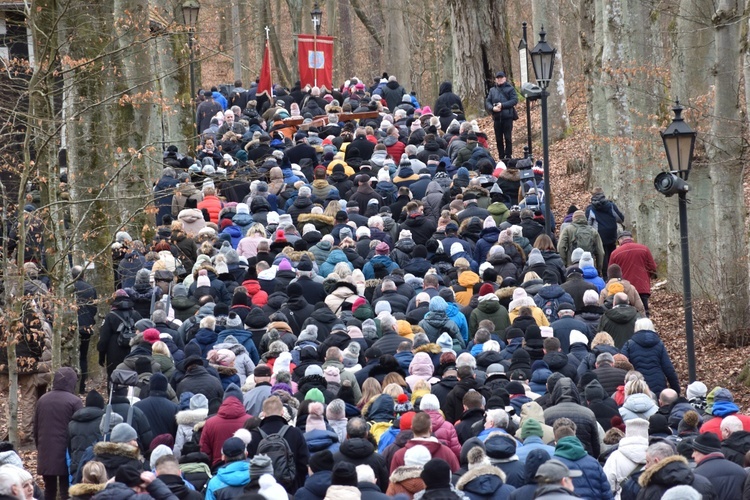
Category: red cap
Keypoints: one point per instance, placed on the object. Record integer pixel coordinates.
(405, 421)
(359, 301)
(486, 289)
(151, 335)
(225, 223)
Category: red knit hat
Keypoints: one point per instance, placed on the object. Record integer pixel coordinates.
(151, 335)
(225, 223)
(486, 289)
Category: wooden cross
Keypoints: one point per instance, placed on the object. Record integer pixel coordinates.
(267, 30)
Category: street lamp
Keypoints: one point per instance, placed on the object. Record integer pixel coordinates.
(543, 60)
(679, 144)
(317, 16)
(190, 10)
(523, 61)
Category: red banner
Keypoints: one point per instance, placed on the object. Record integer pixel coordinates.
(315, 60)
(265, 85)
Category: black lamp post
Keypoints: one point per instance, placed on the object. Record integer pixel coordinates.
(190, 10)
(679, 144)
(317, 18)
(523, 62)
(543, 59)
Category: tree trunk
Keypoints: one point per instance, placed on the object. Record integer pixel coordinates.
(547, 15)
(724, 149)
(397, 55)
(345, 35)
(481, 47)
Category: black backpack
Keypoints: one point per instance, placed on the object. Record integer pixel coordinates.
(125, 330)
(278, 450)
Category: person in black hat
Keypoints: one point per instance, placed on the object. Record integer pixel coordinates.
(302, 150)
(726, 476)
(436, 475)
(501, 102)
(297, 309)
(319, 478)
(130, 478)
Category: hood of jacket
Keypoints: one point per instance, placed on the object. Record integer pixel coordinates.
(556, 360)
(190, 215)
(571, 448)
(565, 392)
(421, 365)
(235, 473)
(65, 380)
(633, 448)
(434, 188)
(191, 417)
(590, 273)
(445, 87)
(406, 245)
(381, 410)
(671, 471)
(337, 256)
(646, 338)
(622, 314)
(357, 448)
(468, 279)
(551, 292)
(231, 408)
(594, 392)
(639, 403)
(600, 202)
(483, 480)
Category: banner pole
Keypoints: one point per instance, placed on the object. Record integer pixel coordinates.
(270, 70)
(315, 57)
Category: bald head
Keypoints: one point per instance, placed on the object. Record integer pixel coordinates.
(620, 299)
(667, 397)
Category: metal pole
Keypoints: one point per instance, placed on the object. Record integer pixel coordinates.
(236, 40)
(193, 99)
(686, 292)
(528, 106)
(545, 147)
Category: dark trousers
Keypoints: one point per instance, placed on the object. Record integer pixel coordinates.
(83, 359)
(504, 137)
(608, 249)
(51, 487)
(644, 299)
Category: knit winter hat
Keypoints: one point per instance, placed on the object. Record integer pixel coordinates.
(322, 460)
(707, 443)
(445, 342)
(535, 257)
(417, 456)
(519, 293)
(198, 402)
(575, 256)
(586, 260)
(261, 464)
(696, 390)
(456, 248)
(158, 452)
(382, 248)
(531, 427)
(282, 363)
(351, 355)
(438, 304)
(344, 474)
(402, 405)
(123, 433)
(682, 492)
(578, 337)
(315, 395)
(404, 423)
(436, 474)
(332, 374)
(489, 222)
(94, 400)
(637, 427)
(486, 289)
(382, 306)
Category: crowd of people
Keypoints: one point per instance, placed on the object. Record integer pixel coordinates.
(368, 310)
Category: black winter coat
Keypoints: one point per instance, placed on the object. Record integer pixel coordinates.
(566, 403)
(727, 477)
(647, 353)
(116, 455)
(735, 446)
(446, 99)
(674, 471)
(422, 228)
(454, 401)
(159, 411)
(109, 350)
(139, 422)
(293, 437)
(83, 431)
(199, 381)
(389, 342)
(359, 451)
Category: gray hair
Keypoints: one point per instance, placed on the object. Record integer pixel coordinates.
(499, 417)
(388, 322)
(169, 172)
(336, 410)
(644, 324)
(159, 316)
(466, 359)
(8, 479)
(411, 149)
(388, 285)
(661, 450)
(731, 424)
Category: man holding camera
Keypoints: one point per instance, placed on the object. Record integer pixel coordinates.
(501, 102)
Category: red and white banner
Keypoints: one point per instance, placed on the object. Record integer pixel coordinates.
(315, 60)
(265, 85)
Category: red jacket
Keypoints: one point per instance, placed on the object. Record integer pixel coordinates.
(213, 205)
(396, 150)
(714, 425)
(222, 426)
(637, 265)
(257, 296)
(437, 450)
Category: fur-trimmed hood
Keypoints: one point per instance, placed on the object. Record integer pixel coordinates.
(85, 489)
(191, 417)
(325, 219)
(482, 470)
(429, 349)
(406, 472)
(119, 449)
(649, 473)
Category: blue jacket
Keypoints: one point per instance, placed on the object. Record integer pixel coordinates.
(649, 356)
(454, 313)
(487, 238)
(591, 275)
(318, 440)
(243, 221)
(593, 483)
(334, 258)
(369, 271)
(604, 215)
(235, 234)
(219, 97)
(530, 444)
(234, 474)
(244, 337)
(387, 438)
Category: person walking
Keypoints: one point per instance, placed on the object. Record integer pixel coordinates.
(501, 103)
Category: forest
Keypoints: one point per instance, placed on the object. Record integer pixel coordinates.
(108, 89)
